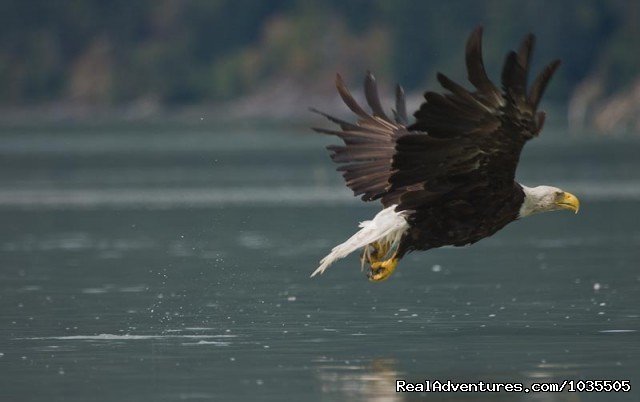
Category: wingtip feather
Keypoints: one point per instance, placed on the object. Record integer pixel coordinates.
(348, 99)
(476, 72)
(373, 99)
(540, 84)
(401, 106)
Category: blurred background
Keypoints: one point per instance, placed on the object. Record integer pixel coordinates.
(163, 202)
(241, 58)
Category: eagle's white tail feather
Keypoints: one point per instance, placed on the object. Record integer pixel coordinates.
(388, 226)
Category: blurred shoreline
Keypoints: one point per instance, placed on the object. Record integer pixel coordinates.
(587, 110)
(283, 104)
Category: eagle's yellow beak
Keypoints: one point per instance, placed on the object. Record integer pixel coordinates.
(569, 201)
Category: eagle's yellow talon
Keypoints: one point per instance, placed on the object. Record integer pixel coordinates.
(380, 250)
(382, 270)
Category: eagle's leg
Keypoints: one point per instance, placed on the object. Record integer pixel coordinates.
(374, 252)
(381, 250)
(381, 270)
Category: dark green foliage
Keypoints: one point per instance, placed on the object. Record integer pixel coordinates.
(116, 51)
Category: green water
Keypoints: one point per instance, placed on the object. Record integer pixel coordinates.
(159, 264)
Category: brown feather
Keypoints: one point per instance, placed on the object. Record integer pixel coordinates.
(475, 67)
(540, 84)
(371, 93)
(348, 99)
(401, 107)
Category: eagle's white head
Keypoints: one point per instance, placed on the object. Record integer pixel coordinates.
(545, 199)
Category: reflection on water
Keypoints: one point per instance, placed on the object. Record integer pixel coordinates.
(153, 266)
(375, 381)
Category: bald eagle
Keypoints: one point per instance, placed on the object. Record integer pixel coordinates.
(448, 178)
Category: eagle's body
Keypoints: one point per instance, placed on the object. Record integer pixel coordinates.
(462, 220)
(448, 178)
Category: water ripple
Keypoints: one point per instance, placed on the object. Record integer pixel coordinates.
(163, 198)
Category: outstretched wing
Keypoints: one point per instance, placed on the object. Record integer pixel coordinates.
(462, 141)
(473, 139)
(369, 144)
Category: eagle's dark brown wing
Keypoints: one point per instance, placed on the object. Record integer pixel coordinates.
(473, 139)
(369, 144)
(461, 142)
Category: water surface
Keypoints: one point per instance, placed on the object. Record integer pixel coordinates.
(156, 263)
